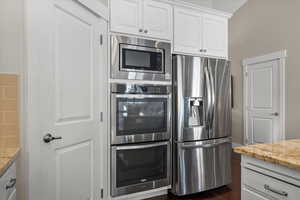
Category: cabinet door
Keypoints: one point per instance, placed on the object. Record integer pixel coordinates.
(157, 19)
(187, 31)
(125, 16)
(215, 35)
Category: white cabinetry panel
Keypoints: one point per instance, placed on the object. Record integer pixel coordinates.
(8, 183)
(157, 19)
(266, 181)
(146, 18)
(215, 35)
(187, 31)
(125, 16)
(200, 33)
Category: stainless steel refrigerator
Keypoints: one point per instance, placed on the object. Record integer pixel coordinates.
(202, 128)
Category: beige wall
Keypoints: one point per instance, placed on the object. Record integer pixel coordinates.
(258, 28)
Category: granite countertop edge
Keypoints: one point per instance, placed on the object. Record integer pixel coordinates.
(7, 160)
(277, 153)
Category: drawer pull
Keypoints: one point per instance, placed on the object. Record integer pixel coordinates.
(11, 183)
(281, 193)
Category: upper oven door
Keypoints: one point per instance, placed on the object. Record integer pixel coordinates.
(140, 118)
(140, 59)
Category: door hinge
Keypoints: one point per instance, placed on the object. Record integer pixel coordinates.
(101, 116)
(101, 39)
(102, 193)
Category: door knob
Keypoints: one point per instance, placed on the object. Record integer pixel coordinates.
(275, 114)
(48, 138)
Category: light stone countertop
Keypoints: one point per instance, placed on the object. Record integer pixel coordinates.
(7, 157)
(285, 153)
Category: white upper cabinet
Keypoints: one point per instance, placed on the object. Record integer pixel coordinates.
(125, 16)
(157, 19)
(200, 33)
(147, 18)
(187, 31)
(215, 35)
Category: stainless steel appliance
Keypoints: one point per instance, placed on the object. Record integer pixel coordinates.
(139, 167)
(140, 113)
(202, 127)
(140, 59)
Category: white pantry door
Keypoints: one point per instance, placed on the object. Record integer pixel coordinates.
(69, 78)
(262, 102)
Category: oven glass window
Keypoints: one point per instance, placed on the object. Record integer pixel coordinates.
(141, 165)
(143, 59)
(141, 116)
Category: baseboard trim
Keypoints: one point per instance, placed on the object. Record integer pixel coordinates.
(144, 195)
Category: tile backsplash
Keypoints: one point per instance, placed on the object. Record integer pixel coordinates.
(9, 111)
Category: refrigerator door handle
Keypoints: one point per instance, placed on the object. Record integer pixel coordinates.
(213, 96)
(208, 145)
(209, 98)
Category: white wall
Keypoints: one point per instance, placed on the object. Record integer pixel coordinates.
(11, 36)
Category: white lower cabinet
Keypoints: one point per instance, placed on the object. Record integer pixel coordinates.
(8, 184)
(266, 181)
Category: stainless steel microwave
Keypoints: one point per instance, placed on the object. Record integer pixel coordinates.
(140, 59)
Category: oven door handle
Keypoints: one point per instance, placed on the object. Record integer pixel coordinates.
(131, 147)
(140, 96)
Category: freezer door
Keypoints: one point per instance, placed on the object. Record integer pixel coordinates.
(218, 82)
(201, 166)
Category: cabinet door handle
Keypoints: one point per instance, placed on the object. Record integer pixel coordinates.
(145, 31)
(281, 193)
(12, 182)
(140, 30)
(201, 50)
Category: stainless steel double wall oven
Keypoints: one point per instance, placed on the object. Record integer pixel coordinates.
(140, 115)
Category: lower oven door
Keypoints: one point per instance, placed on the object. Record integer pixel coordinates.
(201, 166)
(137, 168)
(140, 118)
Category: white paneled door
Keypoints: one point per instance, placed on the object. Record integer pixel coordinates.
(70, 91)
(262, 102)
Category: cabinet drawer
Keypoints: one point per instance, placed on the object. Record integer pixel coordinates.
(270, 186)
(251, 195)
(13, 195)
(8, 182)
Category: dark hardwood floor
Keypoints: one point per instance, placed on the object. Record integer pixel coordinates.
(230, 192)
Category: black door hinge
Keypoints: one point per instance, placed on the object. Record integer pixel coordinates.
(101, 39)
(102, 195)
